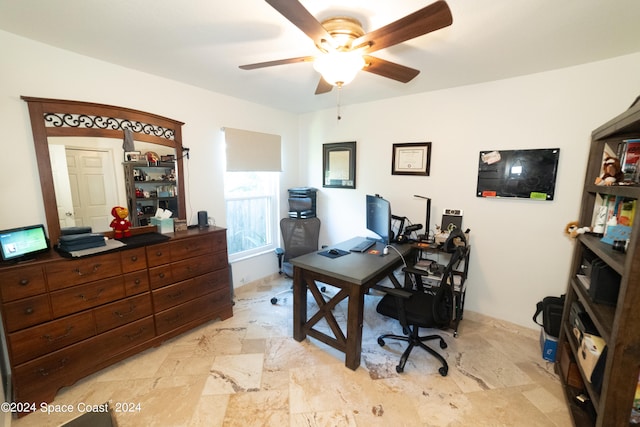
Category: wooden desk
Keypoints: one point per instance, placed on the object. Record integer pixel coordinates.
(353, 274)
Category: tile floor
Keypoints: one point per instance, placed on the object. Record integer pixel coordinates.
(249, 371)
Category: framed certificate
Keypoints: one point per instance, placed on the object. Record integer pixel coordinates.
(412, 158)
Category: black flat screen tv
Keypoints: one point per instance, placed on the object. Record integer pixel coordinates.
(379, 217)
(528, 174)
(18, 244)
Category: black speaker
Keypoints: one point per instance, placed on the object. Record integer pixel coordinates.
(203, 219)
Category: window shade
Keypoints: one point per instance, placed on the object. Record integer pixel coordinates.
(252, 151)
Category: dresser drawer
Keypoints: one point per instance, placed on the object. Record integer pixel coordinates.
(123, 338)
(68, 273)
(193, 267)
(175, 317)
(86, 296)
(220, 242)
(33, 342)
(136, 282)
(217, 280)
(35, 380)
(27, 312)
(133, 260)
(173, 295)
(160, 276)
(158, 254)
(21, 283)
(188, 248)
(122, 312)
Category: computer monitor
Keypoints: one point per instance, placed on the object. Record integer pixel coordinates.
(23, 242)
(379, 218)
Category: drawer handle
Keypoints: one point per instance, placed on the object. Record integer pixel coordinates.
(132, 308)
(174, 319)
(161, 275)
(137, 281)
(176, 295)
(28, 310)
(158, 253)
(134, 258)
(62, 364)
(24, 282)
(95, 268)
(131, 337)
(51, 339)
(84, 298)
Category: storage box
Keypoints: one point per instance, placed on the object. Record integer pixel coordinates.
(590, 350)
(549, 345)
(569, 368)
(165, 225)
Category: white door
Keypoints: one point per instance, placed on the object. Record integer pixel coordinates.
(92, 182)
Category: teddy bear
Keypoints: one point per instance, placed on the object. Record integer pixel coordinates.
(120, 224)
(611, 172)
(572, 229)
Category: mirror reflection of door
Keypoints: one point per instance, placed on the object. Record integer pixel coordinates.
(61, 185)
(92, 187)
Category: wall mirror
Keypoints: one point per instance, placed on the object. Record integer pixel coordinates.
(339, 165)
(73, 134)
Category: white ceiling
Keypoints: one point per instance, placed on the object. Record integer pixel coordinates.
(202, 42)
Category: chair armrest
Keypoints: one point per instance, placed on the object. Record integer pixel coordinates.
(401, 293)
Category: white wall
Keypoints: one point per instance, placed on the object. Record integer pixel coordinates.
(519, 252)
(34, 69)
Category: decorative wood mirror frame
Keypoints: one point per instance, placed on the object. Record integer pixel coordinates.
(54, 117)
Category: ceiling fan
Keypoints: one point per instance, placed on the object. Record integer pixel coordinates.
(345, 48)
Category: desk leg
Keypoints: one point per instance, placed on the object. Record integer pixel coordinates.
(355, 316)
(299, 305)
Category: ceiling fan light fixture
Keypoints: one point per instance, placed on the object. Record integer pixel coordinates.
(339, 68)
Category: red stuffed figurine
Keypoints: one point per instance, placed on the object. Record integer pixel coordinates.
(121, 225)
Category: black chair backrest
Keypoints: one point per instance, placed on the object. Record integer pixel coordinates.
(299, 236)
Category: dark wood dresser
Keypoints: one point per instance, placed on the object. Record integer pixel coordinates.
(67, 318)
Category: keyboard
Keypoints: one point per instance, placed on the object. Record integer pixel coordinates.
(363, 246)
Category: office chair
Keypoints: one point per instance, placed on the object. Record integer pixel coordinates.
(418, 307)
(299, 237)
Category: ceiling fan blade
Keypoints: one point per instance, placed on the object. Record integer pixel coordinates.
(389, 69)
(301, 18)
(277, 62)
(323, 87)
(433, 17)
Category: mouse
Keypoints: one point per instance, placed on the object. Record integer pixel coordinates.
(333, 252)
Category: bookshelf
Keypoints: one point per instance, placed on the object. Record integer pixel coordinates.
(618, 324)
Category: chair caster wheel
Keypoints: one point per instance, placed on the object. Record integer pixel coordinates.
(400, 369)
(274, 300)
(381, 342)
(443, 371)
(443, 344)
(455, 334)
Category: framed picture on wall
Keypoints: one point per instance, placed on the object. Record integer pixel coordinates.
(411, 158)
(339, 165)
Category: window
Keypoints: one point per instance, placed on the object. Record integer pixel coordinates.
(252, 212)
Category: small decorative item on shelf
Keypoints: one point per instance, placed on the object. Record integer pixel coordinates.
(167, 158)
(131, 156)
(611, 172)
(152, 157)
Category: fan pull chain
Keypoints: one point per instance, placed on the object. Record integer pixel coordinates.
(338, 95)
